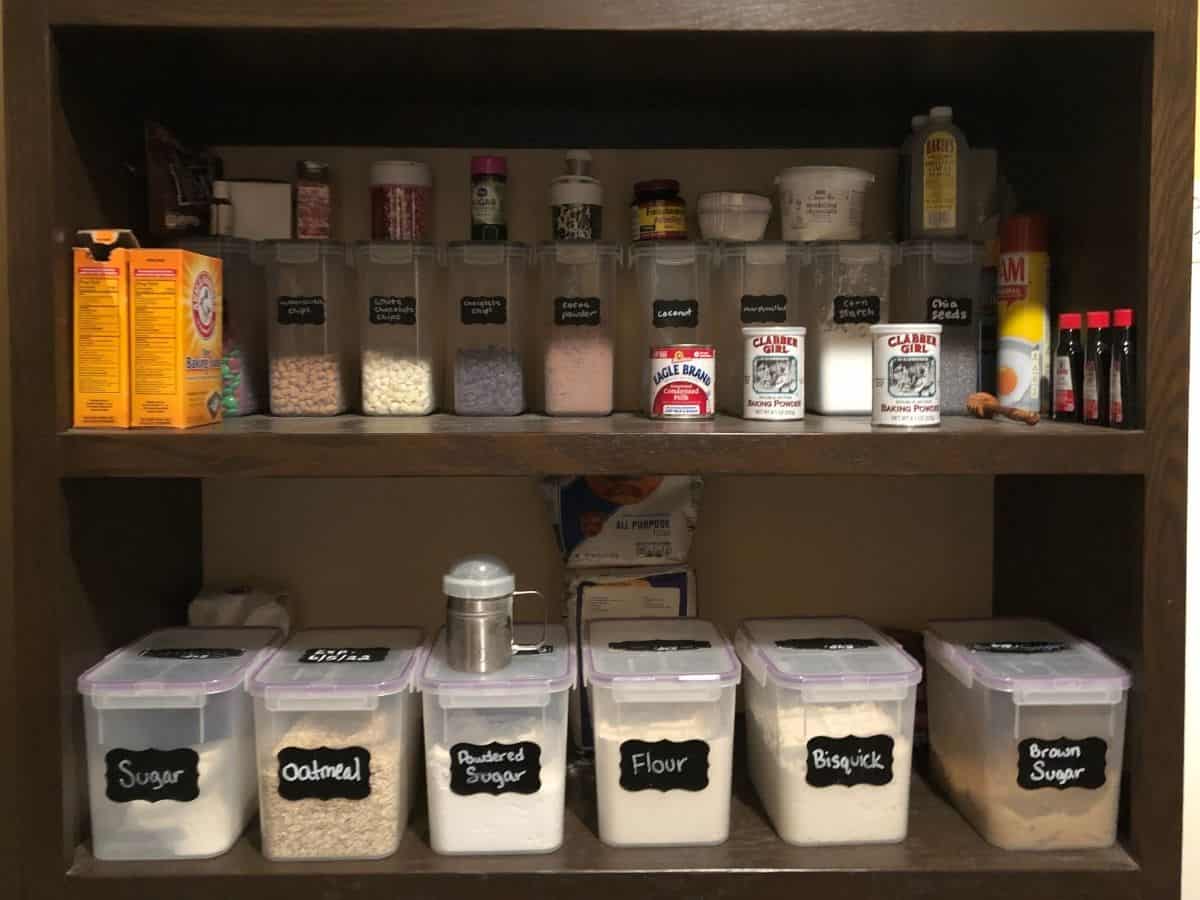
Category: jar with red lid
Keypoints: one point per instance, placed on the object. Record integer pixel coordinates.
(401, 201)
(659, 213)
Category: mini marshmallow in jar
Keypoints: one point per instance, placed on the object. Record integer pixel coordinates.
(774, 378)
(906, 359)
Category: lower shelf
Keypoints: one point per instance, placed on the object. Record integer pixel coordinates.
(943, 857)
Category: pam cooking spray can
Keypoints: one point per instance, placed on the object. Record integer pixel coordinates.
(1023, 311)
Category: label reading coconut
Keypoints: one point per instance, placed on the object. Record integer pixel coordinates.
(1061, 764)
(152, 775)
(826, 643)
(496, 768)
(850, 761)
(949, 310)
(664, 765)
(764, 309)
(344, 655)
(389, 310)
(676, 313)
(484, 310)
(659, 645)
(856, 310)
(192, 653)
(324, 773)
(576, 310)
(1017, 646)
(300, 310)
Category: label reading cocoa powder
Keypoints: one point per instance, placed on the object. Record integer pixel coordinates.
(664, 765)
(484, 310)
(389, 310)
(152, 775)
(1061, 764)
(949, 310)
(308, 310)
(577, 311)
(676, 313)
(764, 309)
(496, 768)
(850, 761)
(856, 310)
(324, 773)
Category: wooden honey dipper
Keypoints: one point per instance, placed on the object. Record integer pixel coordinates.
(985, 406)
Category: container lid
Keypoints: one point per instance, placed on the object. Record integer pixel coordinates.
(764, 330)
(856, 252)
(220, 246)
(576, 189)
(544, 671)
(944, 252)
(765, 253)
(392, 253)
(672, 253)
(295, 252)
(338, 668)
(486, 253)
(825, 171)
(401, 171)
(1036, 661)
(489, 165)
(577, 252)
(650, 652)
(941, 113)
(479, 577)
(843, 655)
(906, 327)
(1070, 320)
(579, 162)
(1123, 318)
(179, 663)
(656, 186)
(733, 200)
(1098, 318)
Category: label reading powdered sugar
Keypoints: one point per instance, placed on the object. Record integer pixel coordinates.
(324, 773)
(664, 765)
(850, 761)
(152, 775)
(496, 768)
(1061, 764)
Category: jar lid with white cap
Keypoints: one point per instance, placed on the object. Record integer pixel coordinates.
(479, 578)
(401, 171)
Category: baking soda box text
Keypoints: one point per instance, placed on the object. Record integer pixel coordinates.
(175, 297)
(101, 328)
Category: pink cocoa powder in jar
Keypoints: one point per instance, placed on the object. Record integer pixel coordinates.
(401, 201)
(579, 376)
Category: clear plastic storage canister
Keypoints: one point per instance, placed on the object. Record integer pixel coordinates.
(941, 282)
(337, 726)
(311, 332)
(396, 290)
(1027, 729)
(170, 743)
(847, 290)
(579, 295)
(487, 326)
(756, 284)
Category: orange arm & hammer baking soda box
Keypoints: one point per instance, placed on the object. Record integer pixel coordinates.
(100, 347)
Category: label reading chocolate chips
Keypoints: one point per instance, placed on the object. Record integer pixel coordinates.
(576, 310)
(676, 313)
(664, 765)
(1061, 764)
(389, 310)
(850, 761)
(192, 653)
(496, 768)
(324, 773)
(949, 310)
(764, 309)
(344, 655)
(152, 775)
(856, 310)
(484, 310)
(300, 310)
(658, 645)
(826, 643)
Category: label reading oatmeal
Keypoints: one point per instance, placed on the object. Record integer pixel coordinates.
(324, 773)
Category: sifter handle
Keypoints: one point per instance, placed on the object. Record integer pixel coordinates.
(518, 648)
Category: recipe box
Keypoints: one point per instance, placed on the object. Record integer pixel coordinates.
(496, 748)
(1027, 728)
(338, 730)
(662, 694)
(170, 743)
(829, 728)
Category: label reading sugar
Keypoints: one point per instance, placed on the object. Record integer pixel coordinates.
(344, 655)
(1061, 764)
(577, 311)
(850, 761)
(764, 309)
(1017, 646)
(300, 310)
(658, 645)
(826, 643)
(949, 310)
(192, 653)
(391, 310)
(856, 310)
(496, 768)
(664, 765)
(484, 310)
(676, 314)
(152, 775)
(324, 773)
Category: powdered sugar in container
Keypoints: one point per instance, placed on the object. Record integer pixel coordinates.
(829, 728)
(170, 742)
(1027, 728)
(496, 748)
(662, 696)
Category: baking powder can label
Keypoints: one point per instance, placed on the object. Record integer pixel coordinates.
(774, 376)
(906, 385)
(681, 381)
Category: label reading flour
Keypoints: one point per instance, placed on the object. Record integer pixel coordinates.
(850, 761)
(664, 765)
(152, 775)
(496, 768)
(1061, 764)
(681, 382)
(324, 773)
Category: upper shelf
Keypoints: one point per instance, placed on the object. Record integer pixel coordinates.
(356, 446)
(620, 15)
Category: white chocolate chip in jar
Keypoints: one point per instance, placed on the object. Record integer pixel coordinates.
(396, 385)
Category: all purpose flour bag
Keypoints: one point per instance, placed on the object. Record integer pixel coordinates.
(624, 520)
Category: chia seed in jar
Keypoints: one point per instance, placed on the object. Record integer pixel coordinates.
(682, 378)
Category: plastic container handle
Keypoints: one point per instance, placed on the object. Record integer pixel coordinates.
(519, 648)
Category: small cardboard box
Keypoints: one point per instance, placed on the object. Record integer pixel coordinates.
(100, 349)
(175, 298)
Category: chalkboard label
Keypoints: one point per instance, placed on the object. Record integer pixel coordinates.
(536, 651)
(760, 309)
(676, 314)
(1064, 763)
(664, 765)
(658, 645)
(496, 768)
(389, 310)
(301, 310)
(192, 653)
(949, 310)
(577, 311)
(1018, 646)
(152, 775)
(856, 310)
(826, 643)
(324, 773)
(484, 310)
(850, 761)
(344, 655)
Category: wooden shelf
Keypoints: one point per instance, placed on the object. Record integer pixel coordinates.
(942, 853)
(357, 446)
